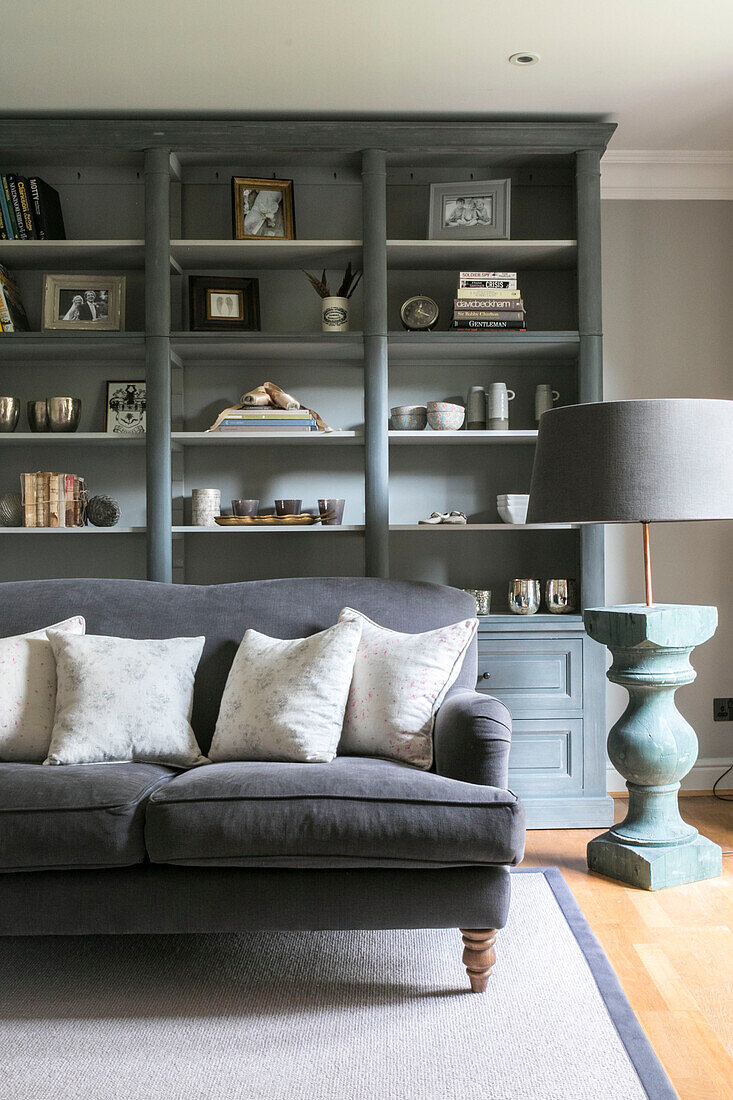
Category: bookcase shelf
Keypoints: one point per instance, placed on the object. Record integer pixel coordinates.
(193, 255)
(77, 347)
(528, 346)
(215, 347)
(70, 255)
(463, 436)
(267, 437)
(481, 255)
(312, 529)
(76, 531)
(70, 439)
(472, 528)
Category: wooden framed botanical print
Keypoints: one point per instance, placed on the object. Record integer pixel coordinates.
(263, 209)
(218, 304)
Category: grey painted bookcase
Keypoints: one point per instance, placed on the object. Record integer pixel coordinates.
(151, 199)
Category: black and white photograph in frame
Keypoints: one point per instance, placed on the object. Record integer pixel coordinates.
(475, 210)
(126, 406)
(218, 303)
(263, 209)
(94, 303)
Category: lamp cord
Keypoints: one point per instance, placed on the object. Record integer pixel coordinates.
(720, 797)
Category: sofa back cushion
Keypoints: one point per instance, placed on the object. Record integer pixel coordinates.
(291, 608)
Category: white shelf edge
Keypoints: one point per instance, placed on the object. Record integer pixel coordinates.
(72, 530)
(309, 439)
(463, 436)
(249, 529)
(58, 438)
(484, 527)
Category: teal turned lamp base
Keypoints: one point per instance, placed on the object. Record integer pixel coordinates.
(652, 745)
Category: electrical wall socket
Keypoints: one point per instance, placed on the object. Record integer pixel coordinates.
(723, 710)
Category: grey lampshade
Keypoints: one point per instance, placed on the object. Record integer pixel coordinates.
(631, 461)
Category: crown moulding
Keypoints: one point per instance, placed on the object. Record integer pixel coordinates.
(667, 174)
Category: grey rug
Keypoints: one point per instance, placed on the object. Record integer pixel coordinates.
(325, 1016)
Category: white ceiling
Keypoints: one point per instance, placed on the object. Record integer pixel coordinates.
(662, 68)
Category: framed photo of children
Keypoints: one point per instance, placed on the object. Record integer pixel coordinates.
(126, 407)
(263, 209)
(220, 304)
(84, 303)
(477, 210)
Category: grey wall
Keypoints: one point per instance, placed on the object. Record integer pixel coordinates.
(667, 290)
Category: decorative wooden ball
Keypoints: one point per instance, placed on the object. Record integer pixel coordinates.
(11, 510)
(103, 511)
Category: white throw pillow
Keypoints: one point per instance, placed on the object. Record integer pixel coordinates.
(120, 699)
(28, 692)
(284, 700)
(399, 682)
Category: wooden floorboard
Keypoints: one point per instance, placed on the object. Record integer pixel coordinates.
(672, 950)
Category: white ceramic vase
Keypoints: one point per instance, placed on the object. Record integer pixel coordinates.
(205, 507)
(335, 314)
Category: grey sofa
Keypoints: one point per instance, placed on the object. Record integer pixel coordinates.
(358, 843)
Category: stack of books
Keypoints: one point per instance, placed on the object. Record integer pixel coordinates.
(53, 500)
(30, 210)
(486, 301)
(12, 314)
(252, 421)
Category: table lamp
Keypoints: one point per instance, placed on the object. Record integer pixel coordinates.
(643, 462)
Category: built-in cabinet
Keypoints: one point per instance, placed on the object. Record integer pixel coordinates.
(152, 200)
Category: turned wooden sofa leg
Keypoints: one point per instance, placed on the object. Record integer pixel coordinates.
(478, 955)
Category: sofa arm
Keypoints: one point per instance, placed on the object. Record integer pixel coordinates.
(473, 734)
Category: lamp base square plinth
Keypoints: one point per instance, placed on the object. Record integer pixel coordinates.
(655, 867)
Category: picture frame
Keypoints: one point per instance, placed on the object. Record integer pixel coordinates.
(126, 406)
(84, 303)
(263, 209)
(221, 304)
(478, 210)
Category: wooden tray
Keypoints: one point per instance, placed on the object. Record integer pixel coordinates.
(305, 519)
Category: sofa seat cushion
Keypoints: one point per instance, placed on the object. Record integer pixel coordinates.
(79, 816)
(352, 812)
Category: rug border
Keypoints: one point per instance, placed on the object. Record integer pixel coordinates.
(649, 1070)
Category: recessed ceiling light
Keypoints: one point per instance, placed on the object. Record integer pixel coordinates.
(523, 58)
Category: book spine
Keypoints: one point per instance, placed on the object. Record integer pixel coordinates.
(487, 284)
(39, 500)
(479, 293)
(47, 209)
(15, 200)
(6, 319)
(472, 315)
(69, 500)
(37, 209)
(25, 206)
(3, 230)
(488, 303)
(53, 500)
(8, 213)
(29, 500)
(487, 274)
(472, 326)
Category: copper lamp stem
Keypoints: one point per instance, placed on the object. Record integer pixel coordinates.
(647, 566)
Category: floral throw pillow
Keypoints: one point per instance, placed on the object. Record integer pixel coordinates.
(399, 682)
(284, 700)
(28, 692)
(122, 699)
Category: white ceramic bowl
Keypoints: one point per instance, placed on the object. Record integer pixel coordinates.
(513, 513)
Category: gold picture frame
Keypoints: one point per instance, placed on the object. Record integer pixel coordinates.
(263, 209)
(84, 303)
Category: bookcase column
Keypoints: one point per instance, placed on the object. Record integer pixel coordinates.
(376, 374)
(158, 365)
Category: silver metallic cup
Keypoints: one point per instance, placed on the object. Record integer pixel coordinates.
(9, 413)
(482, 596)
(64, 413)
(561, 596)
(524, 596)
(38, 416)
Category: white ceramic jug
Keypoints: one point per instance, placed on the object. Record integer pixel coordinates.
(497, 406)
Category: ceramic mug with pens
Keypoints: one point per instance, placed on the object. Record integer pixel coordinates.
(544, 399)
(497, 406)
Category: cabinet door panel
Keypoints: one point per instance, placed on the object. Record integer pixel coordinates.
(546, 757)
(532, 676)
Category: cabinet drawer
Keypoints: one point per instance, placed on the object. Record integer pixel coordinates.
(546, 757)
(532, 676)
